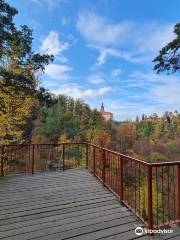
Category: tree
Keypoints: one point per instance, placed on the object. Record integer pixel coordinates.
(127, 133)
(73, 120)
(6, 24)
(100, 137)
(19, 64)
(169, 56)
(137, 118)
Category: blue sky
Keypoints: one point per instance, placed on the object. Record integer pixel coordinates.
(104, 49)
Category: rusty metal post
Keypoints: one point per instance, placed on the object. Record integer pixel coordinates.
(32, 159)
(178, 169)
(94, 159)
(150, 212)
(87, 162)
(2, 161)
(121, 179)
(63, 156)
(103, 165)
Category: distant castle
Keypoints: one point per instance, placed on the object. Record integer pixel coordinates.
(106, 115)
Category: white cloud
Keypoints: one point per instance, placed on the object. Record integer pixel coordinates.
(155, 37)
(95, 79)
(97, 30)
(104, 90)
(104, 53)
(77, 92)
(167, 94)
(166, 91)
(148, 39)
(137, 42)
(57, 71)
(116, 72)
(159, 89)
(149, 78)
(52, 45)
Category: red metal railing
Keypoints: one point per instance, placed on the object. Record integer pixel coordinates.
(41, 157)
(150, 190)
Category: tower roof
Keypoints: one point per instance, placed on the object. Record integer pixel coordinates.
(102, 107)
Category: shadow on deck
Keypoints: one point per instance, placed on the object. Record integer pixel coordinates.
(63, 205)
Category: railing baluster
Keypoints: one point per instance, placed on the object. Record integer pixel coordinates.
(174, 195)
(63, 155)
(94, 159)
(87, 155)
(2, 161)
(178, 170)
(150, 213)
(168, 200)
(103, 165)
(139, 187)
(121, 179)
(135, 187)
(32, 170)
(157, 198)
(162, 192)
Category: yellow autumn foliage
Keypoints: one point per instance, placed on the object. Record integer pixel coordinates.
(13, 117)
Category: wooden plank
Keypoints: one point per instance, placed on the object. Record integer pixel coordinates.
(57, 211)
(51, 208)
(38, 184)
(125, 235)
(33, 178)
(92, 232)
(69, 231)
(57, 202)
(124, 232)
(175, 235)
(50, 190)
(62, 224)
(46, 175)
(174, 238)
(67, 217)
(14, 203)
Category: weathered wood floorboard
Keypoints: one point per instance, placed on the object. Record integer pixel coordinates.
(63, 205)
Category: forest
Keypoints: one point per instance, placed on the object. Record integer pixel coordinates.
(150, 138)
(31, 114)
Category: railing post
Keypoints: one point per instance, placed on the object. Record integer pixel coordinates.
(103, 165)
(2, 161)
(94, 159)
(150, 212)
(121, 179)
(87, 162)
(63, 155)
(32, 159)
(178, 166)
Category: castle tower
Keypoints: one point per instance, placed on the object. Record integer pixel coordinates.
(106, 115)
(102, 108)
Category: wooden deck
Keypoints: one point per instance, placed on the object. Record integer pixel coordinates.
(63, 205)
